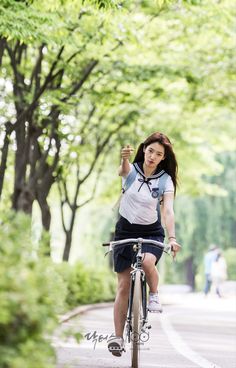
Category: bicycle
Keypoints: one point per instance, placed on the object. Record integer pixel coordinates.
(137, 314)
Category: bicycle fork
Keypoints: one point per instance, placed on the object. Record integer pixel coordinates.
(144, 320)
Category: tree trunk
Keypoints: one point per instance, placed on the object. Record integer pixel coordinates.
(2, 48)
(68, 243)
(21, 192)
(190, 273)
(45, 213)
(24, 201)
(46, 221)
(4, 156)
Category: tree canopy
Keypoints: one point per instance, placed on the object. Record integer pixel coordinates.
(80, 78)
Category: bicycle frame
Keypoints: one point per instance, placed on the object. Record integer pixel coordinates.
(137, 266)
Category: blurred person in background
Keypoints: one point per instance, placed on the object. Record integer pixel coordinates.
(209, 258)
(218, 272)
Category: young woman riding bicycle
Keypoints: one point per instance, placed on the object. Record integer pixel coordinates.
(138, 217)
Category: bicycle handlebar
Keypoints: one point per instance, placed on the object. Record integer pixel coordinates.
(166, 247)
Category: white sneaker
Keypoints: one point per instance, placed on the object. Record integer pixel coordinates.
(116, 345)
(154, 305)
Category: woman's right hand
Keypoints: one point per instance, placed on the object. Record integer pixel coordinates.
(126, 152)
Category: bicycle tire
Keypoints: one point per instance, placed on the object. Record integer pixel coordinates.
(136, 318)
(144, 297)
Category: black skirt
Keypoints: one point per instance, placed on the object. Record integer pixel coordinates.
(124, 256)
(124, 230)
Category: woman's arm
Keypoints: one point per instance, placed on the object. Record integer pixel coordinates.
(124, 168)
(169, 221)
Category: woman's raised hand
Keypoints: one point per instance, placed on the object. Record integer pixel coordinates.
(126, 152)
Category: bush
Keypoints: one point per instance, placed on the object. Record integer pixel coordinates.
(230, 257)
(32, 293)
(87, 285)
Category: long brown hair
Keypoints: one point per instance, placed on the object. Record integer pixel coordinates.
(169, 164)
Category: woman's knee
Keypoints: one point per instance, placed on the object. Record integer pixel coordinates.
(149, 261)
(124, 282)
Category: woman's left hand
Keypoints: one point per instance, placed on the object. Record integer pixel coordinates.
(175, 247)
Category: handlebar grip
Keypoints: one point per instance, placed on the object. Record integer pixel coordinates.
(105, 244)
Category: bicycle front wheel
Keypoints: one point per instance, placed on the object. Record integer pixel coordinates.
(136, 321)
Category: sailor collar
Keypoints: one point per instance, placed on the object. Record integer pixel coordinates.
(139, 168)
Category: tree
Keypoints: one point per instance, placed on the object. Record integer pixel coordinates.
(45, 76)
(74, 61)
(206, 220)
(36, 72)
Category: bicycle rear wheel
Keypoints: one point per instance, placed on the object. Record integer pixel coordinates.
(136, 321)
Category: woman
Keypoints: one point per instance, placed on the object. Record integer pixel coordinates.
(139, 218)
(218, 272)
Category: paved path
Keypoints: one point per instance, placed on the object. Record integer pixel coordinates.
(193, 332)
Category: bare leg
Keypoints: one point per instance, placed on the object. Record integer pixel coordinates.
(151, 272)
(121, 301)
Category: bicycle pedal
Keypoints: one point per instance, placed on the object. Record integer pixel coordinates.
(149, 327)
(114, 348)
(157, 311)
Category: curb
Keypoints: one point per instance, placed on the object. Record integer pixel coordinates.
(167, 296)
(83, 309)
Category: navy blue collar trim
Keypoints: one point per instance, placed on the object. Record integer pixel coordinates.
(140, 171)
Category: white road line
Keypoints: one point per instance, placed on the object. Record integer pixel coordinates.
(180, 345)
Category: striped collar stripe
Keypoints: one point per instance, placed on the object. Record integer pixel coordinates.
(155, 176)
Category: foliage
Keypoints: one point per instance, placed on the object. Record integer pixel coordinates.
(205, 220)
(178, 80)
(230, 257)
(80, 78)
(170, 272)
(32, 293)
(19, 21)
(87, 285)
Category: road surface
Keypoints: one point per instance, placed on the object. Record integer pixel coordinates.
(192, 332)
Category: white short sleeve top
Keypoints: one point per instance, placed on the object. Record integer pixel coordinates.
(137, 204)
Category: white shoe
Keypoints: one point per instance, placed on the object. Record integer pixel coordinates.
(116, 345)
(154, 305)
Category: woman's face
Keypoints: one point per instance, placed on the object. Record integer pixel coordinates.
(154, 153)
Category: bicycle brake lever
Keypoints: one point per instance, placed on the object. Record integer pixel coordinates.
(110, 250)
(168, 249)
